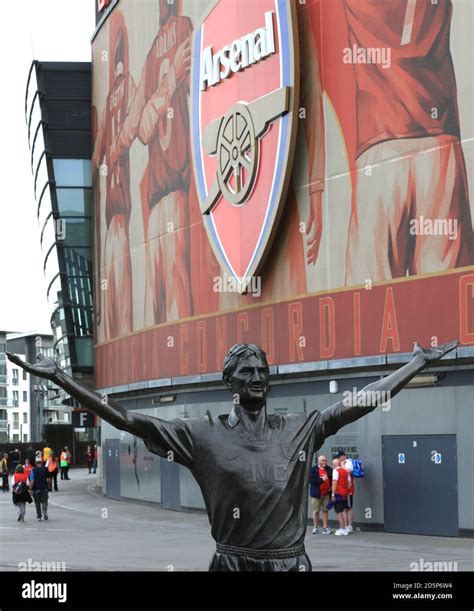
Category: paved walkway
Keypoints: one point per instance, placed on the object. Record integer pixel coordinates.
(90, 532)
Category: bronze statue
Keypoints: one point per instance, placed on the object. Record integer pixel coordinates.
(252, 467)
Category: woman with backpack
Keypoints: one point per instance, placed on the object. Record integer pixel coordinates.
(52, 465)
(21, 496)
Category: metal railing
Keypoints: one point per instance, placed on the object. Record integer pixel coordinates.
(3, 425)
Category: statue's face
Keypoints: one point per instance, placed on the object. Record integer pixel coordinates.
(250, 383)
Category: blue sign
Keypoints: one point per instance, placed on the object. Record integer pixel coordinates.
(401, 459)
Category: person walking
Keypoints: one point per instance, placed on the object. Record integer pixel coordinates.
(39, 487)
(5, 470)
(340, 490)
(30, 454)
(46, 452)
(16, 458)
(321, 481)
(94, 462)
(53, 466)
(64, 463)
(90, 458)
(20, 495)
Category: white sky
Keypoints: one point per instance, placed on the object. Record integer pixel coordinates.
(47, 30)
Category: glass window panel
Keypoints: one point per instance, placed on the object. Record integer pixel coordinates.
(73, 172)
(82, 317)
(76, 231)
(74, 202)
(84, 351)
(78, 261)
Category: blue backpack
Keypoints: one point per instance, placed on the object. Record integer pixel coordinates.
(358, 470)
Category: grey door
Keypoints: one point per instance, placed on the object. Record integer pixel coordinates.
(420, 484)
(170, 492)
(112, 468)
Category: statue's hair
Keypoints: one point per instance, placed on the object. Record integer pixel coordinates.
(236, 354)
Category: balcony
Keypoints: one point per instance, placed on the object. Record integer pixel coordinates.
(3, 380)
(3, 358)
(3, 425)
(7, 402)
(54, 419)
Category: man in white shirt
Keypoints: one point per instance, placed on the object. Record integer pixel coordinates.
(348, 512)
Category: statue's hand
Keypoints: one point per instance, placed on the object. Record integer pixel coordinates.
(433, 354)
(46, 368)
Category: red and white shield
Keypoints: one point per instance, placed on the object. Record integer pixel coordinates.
(244, 92)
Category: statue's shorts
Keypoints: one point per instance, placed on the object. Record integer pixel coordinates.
(233, 558)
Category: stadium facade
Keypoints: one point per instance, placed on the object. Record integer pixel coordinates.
(295, 175)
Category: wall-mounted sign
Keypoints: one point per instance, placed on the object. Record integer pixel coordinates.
(401, 459)
(82, 419)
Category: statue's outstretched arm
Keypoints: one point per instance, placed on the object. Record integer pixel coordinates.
(375, 394)
(102, 406)
(171, 439)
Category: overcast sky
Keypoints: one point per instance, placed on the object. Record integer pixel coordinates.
(47, 30)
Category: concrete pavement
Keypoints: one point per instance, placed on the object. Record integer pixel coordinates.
(88, 531)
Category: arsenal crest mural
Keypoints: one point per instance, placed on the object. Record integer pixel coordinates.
(290, 173)
(244, 92)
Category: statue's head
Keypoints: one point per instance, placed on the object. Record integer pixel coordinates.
(246, 375)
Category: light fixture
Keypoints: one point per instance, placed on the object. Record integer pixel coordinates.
(333, 386)
(424, 379)
(163, 399)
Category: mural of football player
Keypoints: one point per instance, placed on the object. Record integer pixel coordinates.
(112, 143)
(160, 120)
(300, 227)
(409, 156)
